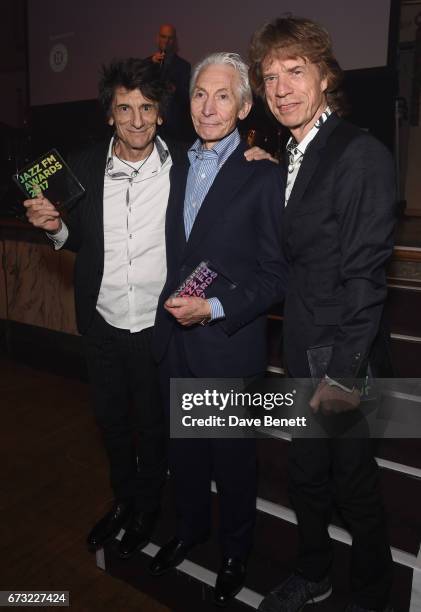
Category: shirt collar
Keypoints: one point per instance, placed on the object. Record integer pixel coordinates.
(162, 149)
(298, 149)
(221, 151)
(160, 145)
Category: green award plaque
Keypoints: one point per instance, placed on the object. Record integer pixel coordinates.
(50, 176)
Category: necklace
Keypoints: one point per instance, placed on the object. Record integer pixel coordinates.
(135, 171)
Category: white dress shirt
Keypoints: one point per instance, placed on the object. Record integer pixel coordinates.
(135, 204)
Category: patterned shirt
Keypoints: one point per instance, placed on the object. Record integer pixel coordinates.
(296, 151)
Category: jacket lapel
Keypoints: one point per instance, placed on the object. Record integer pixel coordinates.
(234, 173)
(174, 224)
(309, 165)
(97, 186)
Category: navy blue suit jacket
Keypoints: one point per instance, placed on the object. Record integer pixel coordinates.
(238, 228)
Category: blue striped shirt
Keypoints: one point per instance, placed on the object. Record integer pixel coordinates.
(204, 166)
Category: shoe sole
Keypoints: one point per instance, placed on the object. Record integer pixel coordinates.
(323, 596)
(317, 599)
(313, 600)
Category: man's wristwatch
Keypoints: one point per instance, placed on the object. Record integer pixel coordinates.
(205, 321)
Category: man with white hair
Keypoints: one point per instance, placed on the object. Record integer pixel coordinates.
(228, 211)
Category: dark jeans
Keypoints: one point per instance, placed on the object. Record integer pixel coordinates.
(128, 410)
(323, 472)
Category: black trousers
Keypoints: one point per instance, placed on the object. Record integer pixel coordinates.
(323, 472)
(193, 463)
(128, 411)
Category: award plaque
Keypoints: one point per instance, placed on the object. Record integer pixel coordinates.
(318, 360)
(50, 176)
(200, 279)
(197, 282)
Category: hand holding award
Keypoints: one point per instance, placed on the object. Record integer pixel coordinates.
(51, 185)
(188, 302)
(41, 213)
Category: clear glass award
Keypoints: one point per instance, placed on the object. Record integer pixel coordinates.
(50, 176)
(197, 282)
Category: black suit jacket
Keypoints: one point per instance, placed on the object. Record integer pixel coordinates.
(338, 236)
(238, 228)
(177, 122)
(85, 221)
(177, 70)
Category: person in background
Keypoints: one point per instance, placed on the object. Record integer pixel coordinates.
(176, 71)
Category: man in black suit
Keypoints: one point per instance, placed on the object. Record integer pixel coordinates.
(227, 211)
(176, 71)
(338, 225)
(117, 232)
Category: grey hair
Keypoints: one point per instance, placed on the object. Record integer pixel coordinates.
(230, 59)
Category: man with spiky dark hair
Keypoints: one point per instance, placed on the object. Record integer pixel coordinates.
(117, 232)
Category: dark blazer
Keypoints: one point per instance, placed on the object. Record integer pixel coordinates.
(177, 122)
(338, 236)
(238, 228)
(177, 70)
(85, 221)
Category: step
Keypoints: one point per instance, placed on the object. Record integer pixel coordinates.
(187, 589)
(403, 307)
(402, 453)
(406, 356)
(403, 518)
(402, 310)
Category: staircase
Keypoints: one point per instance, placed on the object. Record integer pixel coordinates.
(187, 589)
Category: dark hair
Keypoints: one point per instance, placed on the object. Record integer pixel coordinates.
(297, 37)
(133, 73)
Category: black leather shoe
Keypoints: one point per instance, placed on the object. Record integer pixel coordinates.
(137, 534)
(109, 525)
(169, 556)
(230, 581)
